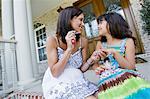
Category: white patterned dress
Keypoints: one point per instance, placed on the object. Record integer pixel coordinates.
(71, 84)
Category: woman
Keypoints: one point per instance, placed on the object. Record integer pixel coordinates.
(116, 69)
(66, 55)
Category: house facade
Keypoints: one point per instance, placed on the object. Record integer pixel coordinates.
(23, 35)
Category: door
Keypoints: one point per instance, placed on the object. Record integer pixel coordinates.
(91, 11)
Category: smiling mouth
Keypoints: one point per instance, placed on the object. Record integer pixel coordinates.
(99, 28)
(77, 33)
(80, 27)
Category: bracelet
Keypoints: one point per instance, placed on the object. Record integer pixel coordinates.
(89, 62)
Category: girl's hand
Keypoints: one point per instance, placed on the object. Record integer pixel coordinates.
(71, 40)
(100, 69)
(109, 51)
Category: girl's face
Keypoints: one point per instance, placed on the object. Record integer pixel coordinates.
(77, 23)
(102, 27)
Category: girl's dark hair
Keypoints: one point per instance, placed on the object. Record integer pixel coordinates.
(118, 27)
(64, 19)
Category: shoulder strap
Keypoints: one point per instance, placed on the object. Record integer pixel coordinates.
(80, 43)
(123, 43)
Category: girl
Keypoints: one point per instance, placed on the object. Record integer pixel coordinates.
(116, 68)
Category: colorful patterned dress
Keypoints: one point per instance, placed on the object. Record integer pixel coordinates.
(117, 83)
(71, 83)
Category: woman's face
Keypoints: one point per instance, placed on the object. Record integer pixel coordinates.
(77, 23)
(102, 27)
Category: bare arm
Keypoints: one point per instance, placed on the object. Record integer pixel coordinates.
(55, 66)
(98, 46)
(129, 60)
(92, 59)
(84, 53)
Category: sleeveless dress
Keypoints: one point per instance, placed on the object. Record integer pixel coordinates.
(71, 84)
(118, 83)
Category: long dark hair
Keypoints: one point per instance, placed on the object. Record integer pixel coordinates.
(118, 26)
(63, 24)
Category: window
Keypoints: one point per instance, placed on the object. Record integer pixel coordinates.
(90, 11)
(91, 26)
(40, 41)
(114, 6)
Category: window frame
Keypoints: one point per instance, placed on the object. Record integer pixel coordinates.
(36, 42)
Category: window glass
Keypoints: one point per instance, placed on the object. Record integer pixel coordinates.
(114, 6)
(91, 27)
(40, 39)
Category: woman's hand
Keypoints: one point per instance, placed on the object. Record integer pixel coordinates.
(102, 54)
(99, 54)
(71, 40)
(95, 56)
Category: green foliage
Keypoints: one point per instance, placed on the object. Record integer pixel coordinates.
(145, 14)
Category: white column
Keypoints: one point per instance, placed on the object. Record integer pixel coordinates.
(8, 56)
(32, 40)
(24, 59)
(7, 18)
